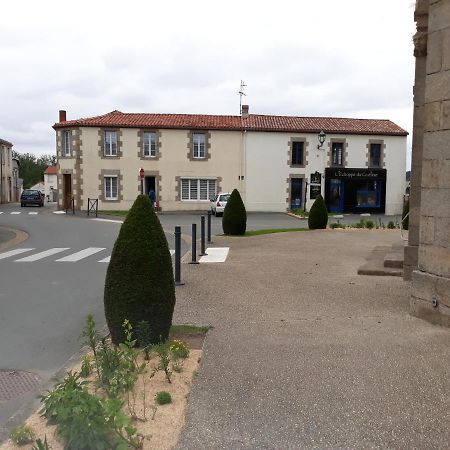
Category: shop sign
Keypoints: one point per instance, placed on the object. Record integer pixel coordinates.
(357, 173)
(316, 178)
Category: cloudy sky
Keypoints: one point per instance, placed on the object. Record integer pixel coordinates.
(348, 58)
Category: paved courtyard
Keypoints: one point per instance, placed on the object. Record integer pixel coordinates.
(305, 353)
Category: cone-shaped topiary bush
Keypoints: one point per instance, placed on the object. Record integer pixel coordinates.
(139, 282)
(318, 214)
(405, 212)
(234, 220)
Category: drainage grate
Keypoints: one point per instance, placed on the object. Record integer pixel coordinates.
(14, 383)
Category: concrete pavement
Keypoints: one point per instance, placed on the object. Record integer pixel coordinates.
(305, 353)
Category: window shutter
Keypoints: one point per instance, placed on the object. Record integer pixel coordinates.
(203, 189)
(212, 188)
(184, 189)
(193, 194)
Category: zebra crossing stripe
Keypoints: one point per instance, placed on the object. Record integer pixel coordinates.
(15, 212)
(17, 251)
(81, 254)
(42, 255)
(1, 212)
(33, 213)
(106, 260)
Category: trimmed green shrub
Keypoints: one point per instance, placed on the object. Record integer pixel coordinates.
(139, 282)
(163, 397)
(234, 220)
(405, 212)
(318, 214)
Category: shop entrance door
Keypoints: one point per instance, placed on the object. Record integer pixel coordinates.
(336, 196)
(296, 193)
(67, 185)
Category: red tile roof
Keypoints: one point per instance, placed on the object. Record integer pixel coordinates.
(51, 170)
(252, 122)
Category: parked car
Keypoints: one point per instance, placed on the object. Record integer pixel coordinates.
(219, 202)
(31, 197)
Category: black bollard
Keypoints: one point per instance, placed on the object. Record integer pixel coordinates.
(178, 281)
(194, 244)
(202, 236)
(209, 227)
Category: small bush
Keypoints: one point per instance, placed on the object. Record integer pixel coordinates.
(86, 366)
(369, 224)
(234, 220)
(318, 214)
(41, 445)
(391, 225)
(163, 398)
(337, 225)
(179, 349)
(22, 434)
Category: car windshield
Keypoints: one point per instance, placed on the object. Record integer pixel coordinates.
(224, 198)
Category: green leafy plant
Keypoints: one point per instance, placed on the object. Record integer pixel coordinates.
(22, 434)
(86, 366)
(391, 225)
(91, 338)
(139, 282)
(369, 224)
(163, 398)
(179, 352)
(143, 335)
(318, 214)
(163, 352)
(234, 220)
(337, 225)
(41, 445)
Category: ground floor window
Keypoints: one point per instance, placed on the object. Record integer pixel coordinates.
(198, 189)
(296, 193)
(368, 194)
(111, 187)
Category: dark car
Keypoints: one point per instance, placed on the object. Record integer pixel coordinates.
(31, 197)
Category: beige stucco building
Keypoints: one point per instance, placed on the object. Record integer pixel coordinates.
(427, 256)
(274, 161)
(6, 172)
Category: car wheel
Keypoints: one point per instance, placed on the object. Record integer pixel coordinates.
(22, 205)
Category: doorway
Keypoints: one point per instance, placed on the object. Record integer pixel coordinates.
(296, 193)
(67, 186)
(336, 196)
(150, 189)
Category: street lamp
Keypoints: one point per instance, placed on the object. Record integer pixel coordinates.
(321, 137)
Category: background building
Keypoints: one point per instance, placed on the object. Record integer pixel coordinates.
(50, 183)
(274, 161)
(6, 174)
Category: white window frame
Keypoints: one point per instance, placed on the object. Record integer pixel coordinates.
(108, 195)
(194, 189)
(199, 145)
(67, 142)
(109, 148)
(149, 150)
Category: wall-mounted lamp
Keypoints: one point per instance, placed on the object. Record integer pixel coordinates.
(321, 137)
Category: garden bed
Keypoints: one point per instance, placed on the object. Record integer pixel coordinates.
(156, 425)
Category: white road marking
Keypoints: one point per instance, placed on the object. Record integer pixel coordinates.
(81, 254)
(172, 252)
(17, 251)
(108, 220)
(59, 212)
(215, 255)
(16, 212)
(106, 260)
(1, 212)
(44, 254)
(33, 213)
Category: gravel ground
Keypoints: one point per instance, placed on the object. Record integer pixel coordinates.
(307, 354)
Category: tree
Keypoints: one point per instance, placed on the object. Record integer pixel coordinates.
(139, 283)
(32, 168)
(318, 214)
(234, 220)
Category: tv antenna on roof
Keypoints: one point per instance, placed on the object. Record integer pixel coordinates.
(241, 94)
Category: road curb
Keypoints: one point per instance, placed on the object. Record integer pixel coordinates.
(20, 236)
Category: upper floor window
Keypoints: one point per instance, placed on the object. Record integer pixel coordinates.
(297, 153)
(150, 144)
(66, 142)
(198, 145)
(110, 143)
(375, 155)
(337, 154)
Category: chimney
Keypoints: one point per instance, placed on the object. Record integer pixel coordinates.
(62, 115)
(244, 111)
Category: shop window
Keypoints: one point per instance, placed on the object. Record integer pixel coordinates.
(368, 194)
